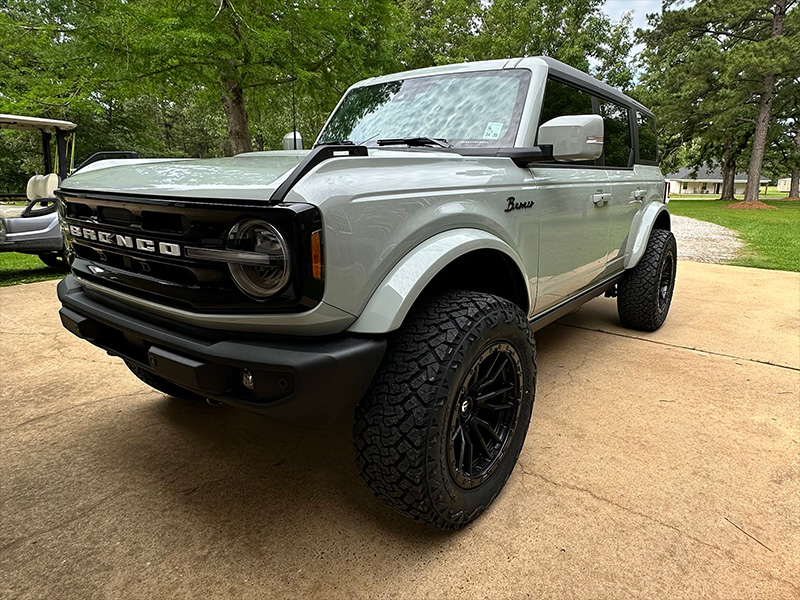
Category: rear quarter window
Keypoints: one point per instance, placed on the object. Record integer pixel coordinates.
(648, 144)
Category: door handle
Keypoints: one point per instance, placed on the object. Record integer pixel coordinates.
(638, 196)
(599, 199)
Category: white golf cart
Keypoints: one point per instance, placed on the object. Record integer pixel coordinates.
(33, 229)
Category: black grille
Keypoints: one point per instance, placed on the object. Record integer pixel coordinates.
(202, 286)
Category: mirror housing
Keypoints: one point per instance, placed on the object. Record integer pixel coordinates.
(574, 137)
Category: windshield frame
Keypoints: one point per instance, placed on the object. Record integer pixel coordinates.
(509, 137)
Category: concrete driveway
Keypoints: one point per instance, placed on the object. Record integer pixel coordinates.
(658, 465)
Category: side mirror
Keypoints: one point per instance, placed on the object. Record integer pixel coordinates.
(574, 137)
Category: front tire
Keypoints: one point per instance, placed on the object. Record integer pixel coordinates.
(444, 421)
(644, 294)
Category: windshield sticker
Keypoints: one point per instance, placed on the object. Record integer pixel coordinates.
(493, 131)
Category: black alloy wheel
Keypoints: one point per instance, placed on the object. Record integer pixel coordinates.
(484, 415)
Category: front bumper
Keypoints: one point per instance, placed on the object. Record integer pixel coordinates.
(314, 382)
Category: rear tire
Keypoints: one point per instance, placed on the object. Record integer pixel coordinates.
(162, 385)
(444, 421)
(644, 295)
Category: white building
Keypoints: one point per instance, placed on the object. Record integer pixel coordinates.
(704, 181)
(784, 185)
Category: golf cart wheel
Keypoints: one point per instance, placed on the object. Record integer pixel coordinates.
(55, 260)
(162, 385)
(444, 421)
(645, 293)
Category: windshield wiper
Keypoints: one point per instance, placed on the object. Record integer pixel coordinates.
(415, 141)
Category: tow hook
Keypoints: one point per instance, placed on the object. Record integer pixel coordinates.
(215, 403)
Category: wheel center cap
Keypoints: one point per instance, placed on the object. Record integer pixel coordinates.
(466, 405)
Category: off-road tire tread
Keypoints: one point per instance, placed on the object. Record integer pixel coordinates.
(162, 385)
(392, 424)
(637, 292)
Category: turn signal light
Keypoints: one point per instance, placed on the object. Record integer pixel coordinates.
(316, 254)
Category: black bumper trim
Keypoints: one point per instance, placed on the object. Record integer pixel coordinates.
(305, 381)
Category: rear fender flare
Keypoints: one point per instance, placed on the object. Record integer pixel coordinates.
(642, 225)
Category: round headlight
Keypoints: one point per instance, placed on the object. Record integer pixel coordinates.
(259, 237)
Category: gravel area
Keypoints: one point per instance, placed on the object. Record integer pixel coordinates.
(705, 242)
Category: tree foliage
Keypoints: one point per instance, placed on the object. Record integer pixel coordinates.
(215, 77)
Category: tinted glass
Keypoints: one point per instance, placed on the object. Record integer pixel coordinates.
(478, 109)
(616, 132)
(648, 146)
(561, 99)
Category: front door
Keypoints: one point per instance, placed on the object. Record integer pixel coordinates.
(574, 220)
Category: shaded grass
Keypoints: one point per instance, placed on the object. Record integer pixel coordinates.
(24, 268)
(772, 236)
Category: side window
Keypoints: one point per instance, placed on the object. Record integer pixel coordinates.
(617, 147)
(648, 146)
(561, 99)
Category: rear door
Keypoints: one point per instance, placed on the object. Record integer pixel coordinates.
(651, 181)
(626, 185)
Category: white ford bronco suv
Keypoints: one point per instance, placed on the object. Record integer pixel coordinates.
(393, 275)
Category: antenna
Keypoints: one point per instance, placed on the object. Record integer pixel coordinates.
(294, 104)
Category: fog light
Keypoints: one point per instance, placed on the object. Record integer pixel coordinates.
(247, 379)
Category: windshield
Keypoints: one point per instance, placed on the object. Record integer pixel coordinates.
(477, 109)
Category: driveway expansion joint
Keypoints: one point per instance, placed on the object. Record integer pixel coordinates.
(690, 348)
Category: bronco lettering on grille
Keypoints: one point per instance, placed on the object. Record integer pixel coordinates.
(125, 241)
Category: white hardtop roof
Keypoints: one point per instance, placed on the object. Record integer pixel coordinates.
(33, 124)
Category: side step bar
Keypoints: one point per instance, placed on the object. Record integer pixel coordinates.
(560, 310)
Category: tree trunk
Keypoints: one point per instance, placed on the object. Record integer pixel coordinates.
(764, 108)
(728, 179)
(235, 113)
(794, 186)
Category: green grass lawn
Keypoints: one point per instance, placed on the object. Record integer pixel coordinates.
(772, 236)
(24, 268)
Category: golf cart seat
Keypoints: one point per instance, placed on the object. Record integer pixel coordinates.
(43, 186)
(41, 195)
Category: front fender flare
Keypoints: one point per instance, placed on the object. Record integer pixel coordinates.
(642, 226)
(393, 298)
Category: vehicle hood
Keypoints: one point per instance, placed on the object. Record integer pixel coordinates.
(254, 175)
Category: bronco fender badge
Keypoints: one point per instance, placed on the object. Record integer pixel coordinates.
(512, 204)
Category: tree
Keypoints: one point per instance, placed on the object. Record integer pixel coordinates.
(712, 70)
(237, 50)
(576, 32)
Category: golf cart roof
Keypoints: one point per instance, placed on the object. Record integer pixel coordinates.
(33, 124)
